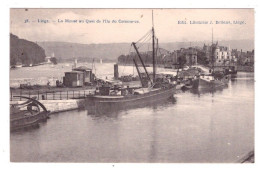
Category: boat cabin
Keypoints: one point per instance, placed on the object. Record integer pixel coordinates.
(73, 79)
(87, 74)
(207, 77)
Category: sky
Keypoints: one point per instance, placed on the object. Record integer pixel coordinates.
(166, 25)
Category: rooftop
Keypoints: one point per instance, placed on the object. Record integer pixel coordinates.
(74, 72)
(82, 68)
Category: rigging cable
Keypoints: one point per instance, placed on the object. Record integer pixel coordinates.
(144, 36)
(148, 38)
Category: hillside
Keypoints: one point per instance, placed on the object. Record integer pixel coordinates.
(112, 51)
(64, 50)
(25, 52)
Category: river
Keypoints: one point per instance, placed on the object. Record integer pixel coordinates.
(196, 127)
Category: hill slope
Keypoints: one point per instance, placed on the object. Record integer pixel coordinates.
(112, 51)
(25, 52)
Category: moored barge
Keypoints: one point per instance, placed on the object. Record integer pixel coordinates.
(27, 114)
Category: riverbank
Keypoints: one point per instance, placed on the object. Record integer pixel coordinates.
(42, 89)
(56, 106)
(245, 68)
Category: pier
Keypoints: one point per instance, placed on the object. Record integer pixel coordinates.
(56, 100)
(52, 94)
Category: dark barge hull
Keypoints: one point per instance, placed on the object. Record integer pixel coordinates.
(195, 83)
(211, 85)
(104, 104)
(22, 121)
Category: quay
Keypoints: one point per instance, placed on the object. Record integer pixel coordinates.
(54, 99)
(62, 98)
(56, 106)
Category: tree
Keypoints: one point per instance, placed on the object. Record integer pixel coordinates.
(182, 60)
(202, 58)
(53, 60)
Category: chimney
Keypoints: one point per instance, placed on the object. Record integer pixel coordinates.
(116, 71)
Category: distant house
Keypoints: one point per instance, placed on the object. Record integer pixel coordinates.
(208, 50)
(170, 60)
(246, 58)
(220, 55)
(190, 55)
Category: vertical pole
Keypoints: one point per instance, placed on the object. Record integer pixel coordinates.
(212, 37)
(60, 94)
(153, 49)
(212, 53)
(11, 95)
(116, 71)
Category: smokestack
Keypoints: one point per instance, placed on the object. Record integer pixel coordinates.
(116, 71)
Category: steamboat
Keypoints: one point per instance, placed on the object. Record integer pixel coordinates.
(152, 89)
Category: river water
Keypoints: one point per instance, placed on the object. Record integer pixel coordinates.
(196, 127)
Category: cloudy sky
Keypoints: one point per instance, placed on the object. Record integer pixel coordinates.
(165, 20)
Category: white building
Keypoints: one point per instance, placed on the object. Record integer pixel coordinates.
(223, 55)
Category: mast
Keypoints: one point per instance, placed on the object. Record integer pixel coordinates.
(212, 53)
(156, 52)
(138, 54)
(212, 37)
(153, 50)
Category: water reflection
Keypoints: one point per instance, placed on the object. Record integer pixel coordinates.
(114, 110)
(196, 127)
(210, 91)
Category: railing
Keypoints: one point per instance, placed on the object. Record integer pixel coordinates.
(50, 95)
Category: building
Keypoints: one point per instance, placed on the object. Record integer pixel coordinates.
(190, 55)
(78, 77)
(73, 79)
(169, 60)
(220, 55)
(88, 77)
(246, 58)
(207, 49)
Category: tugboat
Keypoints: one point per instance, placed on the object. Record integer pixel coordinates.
(152, 90)
(214, 79)
(211, 82)
(27, 114)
